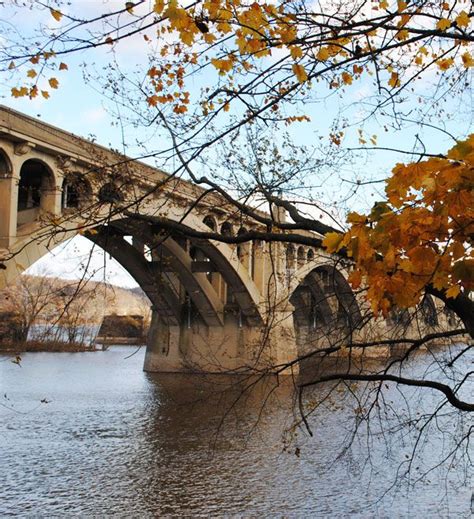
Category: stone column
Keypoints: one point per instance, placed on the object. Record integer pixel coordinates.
(51, 201)
(8, 210)
(163, 346)
(283, 340)
(259, 264)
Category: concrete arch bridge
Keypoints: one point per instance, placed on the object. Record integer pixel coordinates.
(216, 307)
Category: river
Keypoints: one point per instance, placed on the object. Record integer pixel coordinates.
(91, 435)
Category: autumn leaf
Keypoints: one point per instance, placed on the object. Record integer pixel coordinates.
(402, 35)
(462, 20)
(332, 241)
(468, 60)
(53, 82)
(453, 291)
(443, 24)
(346, 78)
(445, 64)
(63, 66)
(31, 73)
(323, 54)
(300, 72)
(159, 6)
(394, 81)
(19, 92)
(57, 15)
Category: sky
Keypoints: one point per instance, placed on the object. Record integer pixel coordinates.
(78, 107)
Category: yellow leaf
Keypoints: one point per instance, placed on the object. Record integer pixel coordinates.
(299, 72)
(355, 278)
(394, 81)
(31, 73)
(57, 15)
(402, 35)
(443, 24)
(383, 4)
(445, 64)
(323, 54)
(346, 78)
(53, 82)
(159, 6)
(296, 52)
(356, 218)
(467, 59)
(462, 20)
(19, 92)
(332, 241)
(45, 94)
(401, 5)
(453, 291)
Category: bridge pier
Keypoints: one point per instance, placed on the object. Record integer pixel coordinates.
(8, 210)
(234, 347)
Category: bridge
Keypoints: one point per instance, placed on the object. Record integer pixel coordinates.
(216, 306)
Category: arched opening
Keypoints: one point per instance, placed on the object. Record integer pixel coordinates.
(244, 249)
(301, 257)
(109, 193)
(210, 222)
(226, 229)
(339, 293)
(35, 182)
(290, 263)
(310, 255)
(399, 317)
(451, 317)
(5, 168)
(428, 311)
(76, 191)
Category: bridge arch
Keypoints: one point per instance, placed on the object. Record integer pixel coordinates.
(5, 164)
(36, 190)
(76, 191)
(321, 296)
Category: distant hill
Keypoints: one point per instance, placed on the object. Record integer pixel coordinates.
(48, 296)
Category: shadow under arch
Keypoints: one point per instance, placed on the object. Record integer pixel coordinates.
(219, 254)
(325, 282)
(36, 187)
(5, 164)
(158, 291)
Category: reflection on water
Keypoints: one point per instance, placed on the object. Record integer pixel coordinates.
(112, 440)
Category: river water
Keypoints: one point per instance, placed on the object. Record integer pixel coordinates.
(111, 440)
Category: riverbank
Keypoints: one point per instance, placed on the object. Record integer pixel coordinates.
(52, 346)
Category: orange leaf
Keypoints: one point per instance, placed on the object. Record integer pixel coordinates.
(332, 241)
(300, 72)
(53, 82)
(57, 15)
(443, 24)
